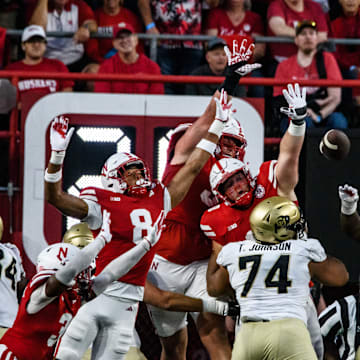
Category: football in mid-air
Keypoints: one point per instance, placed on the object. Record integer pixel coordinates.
(335, 145)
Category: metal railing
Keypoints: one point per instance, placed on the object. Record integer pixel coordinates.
(154, 38)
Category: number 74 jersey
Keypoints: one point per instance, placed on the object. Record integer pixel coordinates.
(271, 281)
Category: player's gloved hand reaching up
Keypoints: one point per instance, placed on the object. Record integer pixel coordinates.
(349, 198)
(297, 103)
(105, 233)
(238, 63)
(59, 138)
(154, 233)
(223, 107)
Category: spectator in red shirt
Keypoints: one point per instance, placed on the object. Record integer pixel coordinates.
(235, 18)
(113, 13)
(283, 16)
(33, 42)
(321, 102)
(128, 61)
(184, 17)
(347, 25)
(69, 16)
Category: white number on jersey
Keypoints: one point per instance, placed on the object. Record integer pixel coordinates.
(141, 219)
(279, 272)
(10, 270)
(65, 319)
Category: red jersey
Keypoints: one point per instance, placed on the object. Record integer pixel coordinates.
(225, 224)
(250, 25)
(43, 86)
(34, 336)
(290, 70)
(181, 241)
(279, 8)
(347, 27)
(115, 65)
(131, 218)
(105, 23)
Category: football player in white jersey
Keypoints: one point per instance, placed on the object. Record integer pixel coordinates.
(135, 203)
(80, 235)
(270, 273)
(12, 282)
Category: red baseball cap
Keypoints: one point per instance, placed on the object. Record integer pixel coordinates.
(123, 26)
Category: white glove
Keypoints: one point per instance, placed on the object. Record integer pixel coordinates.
(105, 233)
(349, 198)
(155, 232)
(215, 306)
(59, 135)
(247, 69)
(243, 53)
(297, 103)
(223, 107)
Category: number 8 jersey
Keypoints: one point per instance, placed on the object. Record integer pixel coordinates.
(131, 218)
(271, 281)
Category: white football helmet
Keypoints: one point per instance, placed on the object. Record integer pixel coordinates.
(114, 168)
(55, 256)
(234, 131)
(221, 171)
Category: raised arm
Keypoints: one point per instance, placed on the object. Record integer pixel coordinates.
(287, 169)
(63, 278)
(59, 140)
(181, 182)
(237, 68)
(217, 277)
(331, 272)
(40, 14)
(349, 217)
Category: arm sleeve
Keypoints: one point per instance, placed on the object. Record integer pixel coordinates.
(275, 9)
(81, 261)
(38, 300)
(222, 258)
(94, 216)
(85, 12)
(316, 251)
(119, 267)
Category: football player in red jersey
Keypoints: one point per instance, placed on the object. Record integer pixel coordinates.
(181, 258)
(239, 192)
(50, 299)
(135, 203)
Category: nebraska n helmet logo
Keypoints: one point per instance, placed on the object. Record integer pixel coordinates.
(62, 255)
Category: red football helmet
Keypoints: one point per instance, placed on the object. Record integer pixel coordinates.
(112, 174)
(233, 131)
(221, 171)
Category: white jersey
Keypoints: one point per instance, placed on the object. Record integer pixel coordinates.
(11, 271)
(271, 281)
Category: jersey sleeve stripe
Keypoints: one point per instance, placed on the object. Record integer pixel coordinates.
(41, 275)
(272, 173)
(209, 233)
(88, 197)
(205, 227)
(6, 354)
